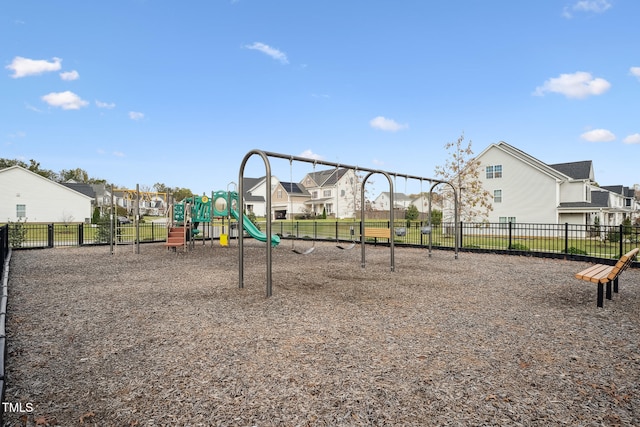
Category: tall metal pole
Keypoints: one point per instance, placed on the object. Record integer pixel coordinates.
(391, 218)
(137, 218)
(111, 218)
(267, 165)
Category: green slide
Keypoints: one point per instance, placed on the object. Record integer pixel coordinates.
(253, 230)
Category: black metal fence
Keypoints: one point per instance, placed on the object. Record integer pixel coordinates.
(33, 235)
(554, 240)
(4, 246)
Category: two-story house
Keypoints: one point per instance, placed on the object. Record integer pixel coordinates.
(336, 191)
(527, 190)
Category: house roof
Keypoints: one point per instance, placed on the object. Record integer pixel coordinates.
(85, 189)
(327, 177)
(618, 189)
(293, 188)
(599, 199)
(250, 183)
(576, 170)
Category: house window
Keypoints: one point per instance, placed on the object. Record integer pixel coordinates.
(327, 193)
(494, 171)
(279, 194)
(504, 220)
(314, 195)
(21, 211)
(489, 172)
(497, 196)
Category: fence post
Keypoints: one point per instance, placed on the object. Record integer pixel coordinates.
(336, 229)
(621, 231)
(566, 237)
(460, 236)
(80, 234)
(50, 235)
(510, 236)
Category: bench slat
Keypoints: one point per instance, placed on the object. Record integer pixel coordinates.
(384, 233)
(595, 274)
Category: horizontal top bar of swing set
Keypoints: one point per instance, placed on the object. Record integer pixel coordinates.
(341, 165)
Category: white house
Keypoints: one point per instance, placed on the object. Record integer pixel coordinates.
(400, 201)
(527, 190)
(336, 191)
(255, 194)
(27, 196)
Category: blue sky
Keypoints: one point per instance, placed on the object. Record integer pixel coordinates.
(141, 91)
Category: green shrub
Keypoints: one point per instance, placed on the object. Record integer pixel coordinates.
(17, 233)
(575, 251)
(519, 247)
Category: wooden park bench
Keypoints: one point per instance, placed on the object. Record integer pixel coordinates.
(607, 274)
(382, 233)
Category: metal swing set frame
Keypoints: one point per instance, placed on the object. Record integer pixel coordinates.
(265, 155)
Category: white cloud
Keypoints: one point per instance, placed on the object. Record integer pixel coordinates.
(587, 6)
(598, 135)
(66, 100)
(308, 154)
(632, 139)
(23, 67)
(268, 50)
(577, 85)
(118, 153)
(597, 6)
(635, 71)
(135, 115)
(18, 134)
(377, 162)
(385, 124)
(69, 75)
(108, 105)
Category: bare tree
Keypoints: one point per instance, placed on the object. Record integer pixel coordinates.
(462, 170)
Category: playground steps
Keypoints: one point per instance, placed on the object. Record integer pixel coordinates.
(176, 237)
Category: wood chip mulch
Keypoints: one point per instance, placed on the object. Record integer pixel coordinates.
(164, 338)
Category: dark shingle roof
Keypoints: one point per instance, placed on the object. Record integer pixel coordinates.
(85, 189)
(575, 170)
(599, 199)
(618, 189)
(327, 177)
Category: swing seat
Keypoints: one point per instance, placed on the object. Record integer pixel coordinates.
(307, 252)
(351, 246)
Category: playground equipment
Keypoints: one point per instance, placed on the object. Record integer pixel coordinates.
(227, 203)
(265, 157)
(188, 214)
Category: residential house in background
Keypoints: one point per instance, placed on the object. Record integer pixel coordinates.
(289, 201)
(25, 195)
(400, 201)
(527, 190)
(255, 194)
(336, 191)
